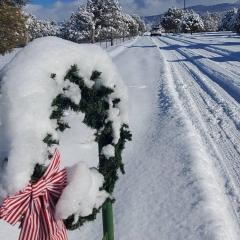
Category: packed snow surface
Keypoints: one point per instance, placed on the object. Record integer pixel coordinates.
(183, 167)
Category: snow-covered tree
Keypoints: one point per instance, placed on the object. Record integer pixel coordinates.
(211, 22)
(12, 27)
(39, 28)
(113, 22)
(98, 20)
(107, 15)
(141, 24)
(132, 26)
(101, 20)
(229, 20)
(17, 3)
(237, 22)
(172, 19)
(79, 27)
(192, 22)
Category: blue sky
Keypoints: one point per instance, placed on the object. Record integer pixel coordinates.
(62, 9)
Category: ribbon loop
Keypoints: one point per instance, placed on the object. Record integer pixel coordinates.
(35, 206)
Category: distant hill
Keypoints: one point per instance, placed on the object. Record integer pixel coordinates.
(223, 7)
(201, 9)
(150, 20)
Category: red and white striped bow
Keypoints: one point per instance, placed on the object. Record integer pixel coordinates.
(35, 206)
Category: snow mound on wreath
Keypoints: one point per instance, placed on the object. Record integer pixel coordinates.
(85, 183)
(27, 91)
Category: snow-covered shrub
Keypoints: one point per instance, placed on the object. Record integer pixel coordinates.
(12, 27)
(39, 28)
(192, 22)
(172, 19)
(229, 20)
(39, 90)
(211, 22)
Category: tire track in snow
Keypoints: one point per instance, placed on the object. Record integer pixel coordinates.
(223, 101)
(219, 52)
(190, 85)
(224, 78)
(163, 195)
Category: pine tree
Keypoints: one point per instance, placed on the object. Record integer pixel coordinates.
(172, 19)
(100, 20)
(79, 27)
(192, 22)
(14, 2)
(106, 16)
(12, 27)
(229, 20)
(141, 24)
(211, 22)
(132, 26)
(237, 22)
(39, 28)
(97, 9)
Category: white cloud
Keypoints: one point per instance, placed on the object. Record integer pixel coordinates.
(58, 11)
(150, 7)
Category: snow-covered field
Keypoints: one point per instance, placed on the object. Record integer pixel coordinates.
(182, 177)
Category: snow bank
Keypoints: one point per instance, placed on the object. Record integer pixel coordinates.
(85, 184)
(27, 92)
(6, 58)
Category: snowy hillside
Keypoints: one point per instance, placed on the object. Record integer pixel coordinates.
(182, 177)
(223, 7)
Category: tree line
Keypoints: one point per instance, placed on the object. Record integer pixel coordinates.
(184, 21)
(100, 20)
(97, 20)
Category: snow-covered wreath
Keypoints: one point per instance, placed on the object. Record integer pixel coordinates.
(49, 86)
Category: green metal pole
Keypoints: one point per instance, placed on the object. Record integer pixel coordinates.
(107, 216)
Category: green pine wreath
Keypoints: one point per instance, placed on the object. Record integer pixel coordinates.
(94, 104)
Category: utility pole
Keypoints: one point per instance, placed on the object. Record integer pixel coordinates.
(184, 4)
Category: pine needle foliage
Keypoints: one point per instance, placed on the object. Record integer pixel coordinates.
(12, 27)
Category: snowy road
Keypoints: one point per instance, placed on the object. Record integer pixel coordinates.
(182, 177)
(183, 166)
